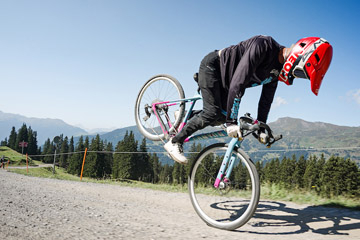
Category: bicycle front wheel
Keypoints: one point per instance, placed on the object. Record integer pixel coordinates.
(158, 89)
(234, 202)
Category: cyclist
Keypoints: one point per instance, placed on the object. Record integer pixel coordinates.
(224, 75)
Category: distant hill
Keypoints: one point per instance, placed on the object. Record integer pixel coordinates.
(45, 127)
(298, 134)
(301, 133)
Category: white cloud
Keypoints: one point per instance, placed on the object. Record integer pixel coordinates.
(354, 95)
(278, 101)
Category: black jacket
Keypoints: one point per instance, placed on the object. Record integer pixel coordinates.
(250, 63)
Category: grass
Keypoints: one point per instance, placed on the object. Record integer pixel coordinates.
(275, 192)
(15, 158)
(268, 192)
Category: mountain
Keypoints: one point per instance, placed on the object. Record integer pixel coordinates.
(45, 127)
(300, 137)
(316, 134)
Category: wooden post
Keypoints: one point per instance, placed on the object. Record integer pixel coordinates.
(54, 162)
(82, 168)
(7, 166)
(27, 164)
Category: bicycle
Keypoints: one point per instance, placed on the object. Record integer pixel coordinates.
(223, 183)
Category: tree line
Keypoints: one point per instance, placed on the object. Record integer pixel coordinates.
(332, 177)
(25, 134)
(130, 160)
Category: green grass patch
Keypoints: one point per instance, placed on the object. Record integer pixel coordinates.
(276, 192)
(15, 158)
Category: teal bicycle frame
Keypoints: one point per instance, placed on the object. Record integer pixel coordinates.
(229, 160)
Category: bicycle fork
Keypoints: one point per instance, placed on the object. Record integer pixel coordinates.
(227, 164)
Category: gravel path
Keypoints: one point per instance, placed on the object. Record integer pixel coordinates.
(38, 208)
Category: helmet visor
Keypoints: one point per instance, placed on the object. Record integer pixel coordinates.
(317, 65)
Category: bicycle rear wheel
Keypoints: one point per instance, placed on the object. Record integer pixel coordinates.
(159, 88)
(235, 201)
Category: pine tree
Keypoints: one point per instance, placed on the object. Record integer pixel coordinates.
(166, 174)
(21, 136)
(329, 177)
(260, 169)
(176, 173)
(12, 139)
(48, 150)
(241, 178)
(311, 175)
(287, 169)
(154, 160)
(4, 143)
(94, 165)
(298, 176)
(108, 161)
(116, 161)
(320, 166)
(144, 168)
(87, 142)
(125, 162)
(271, 171)
(63, 161)
(32, 140)
(75, 161)
(71, 145)
(352, 178)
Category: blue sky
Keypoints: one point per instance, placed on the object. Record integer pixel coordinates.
(85, 61)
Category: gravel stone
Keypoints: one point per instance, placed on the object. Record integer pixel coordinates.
(40, 208)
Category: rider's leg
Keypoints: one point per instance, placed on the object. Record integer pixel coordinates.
(210, 85)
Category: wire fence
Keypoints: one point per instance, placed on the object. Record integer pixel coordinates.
(163, 152)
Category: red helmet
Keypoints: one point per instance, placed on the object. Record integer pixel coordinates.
(309, 58)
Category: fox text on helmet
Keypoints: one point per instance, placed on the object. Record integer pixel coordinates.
(287, 66)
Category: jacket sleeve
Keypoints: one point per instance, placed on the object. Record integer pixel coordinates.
(250, 60)
(266, 99)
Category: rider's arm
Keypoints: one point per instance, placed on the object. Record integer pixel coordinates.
(266, 99)
(250, 60)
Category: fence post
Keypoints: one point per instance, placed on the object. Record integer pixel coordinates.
(54, 162)
(27, 164)
(82, 168)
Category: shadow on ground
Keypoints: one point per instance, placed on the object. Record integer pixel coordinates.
(316, 219)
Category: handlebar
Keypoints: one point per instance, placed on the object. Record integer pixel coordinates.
(249, 125)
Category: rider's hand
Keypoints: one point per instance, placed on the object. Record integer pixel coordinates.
(234, 131)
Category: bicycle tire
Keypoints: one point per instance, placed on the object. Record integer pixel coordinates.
(159, 88)
(212, 204)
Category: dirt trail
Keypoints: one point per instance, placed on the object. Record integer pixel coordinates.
(37, 208)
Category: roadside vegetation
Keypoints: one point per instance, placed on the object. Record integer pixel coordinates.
(314, 180)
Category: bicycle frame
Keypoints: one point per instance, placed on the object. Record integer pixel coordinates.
(160, 105)
(228, 162)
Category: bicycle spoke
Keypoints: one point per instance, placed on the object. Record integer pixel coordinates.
(233, 202)
(160, 88)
